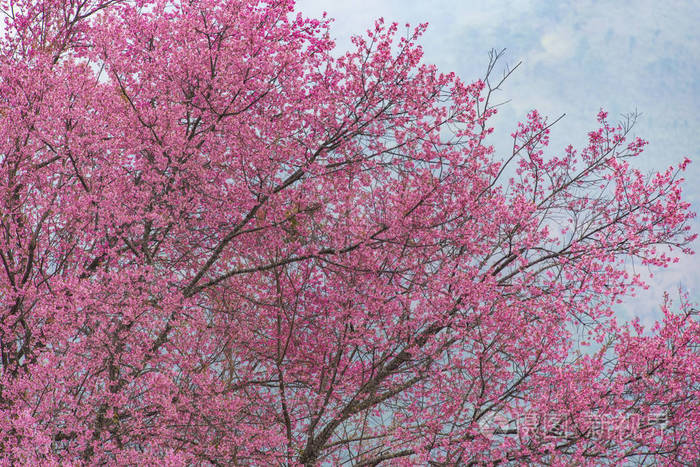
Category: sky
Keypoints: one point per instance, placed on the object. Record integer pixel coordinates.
(577, 57)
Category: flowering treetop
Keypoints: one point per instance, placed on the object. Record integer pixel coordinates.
(222, 245)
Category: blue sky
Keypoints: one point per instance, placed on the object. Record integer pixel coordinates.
(578, 56)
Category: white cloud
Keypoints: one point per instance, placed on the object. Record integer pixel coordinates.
(556, 45)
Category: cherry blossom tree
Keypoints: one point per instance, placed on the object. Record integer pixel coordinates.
(224, 243)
